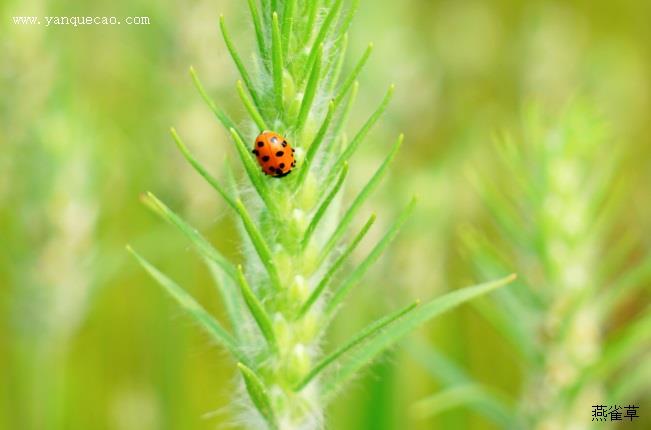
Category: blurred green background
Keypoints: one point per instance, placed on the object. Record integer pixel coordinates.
(88, 341)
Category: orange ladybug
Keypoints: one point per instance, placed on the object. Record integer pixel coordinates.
(274, 154)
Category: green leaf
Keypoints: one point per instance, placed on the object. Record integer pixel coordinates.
(367, 333)
(470, 395)
(314, 146)
(258, 393)
(238, 62)
(260, 245)
(288, 22)
(359, 137)
(257, 25)
(492, 405)
(257, 310)
(277, 61)
(353, 75)
(636, 277)
(190, 305)
(204, 247)
(321, 36)
(337, 67)
(359, 200)
(324, 207)
(310, 90)
(343, 117)
(201, 170)
(229, 293)
(254, 173)
(370, 259)
(250, 108)
(389, 337)
(221, 116)
(332, 271)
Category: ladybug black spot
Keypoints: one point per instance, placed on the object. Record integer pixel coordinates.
(265, 158)
(281, 165)
(293, 150)
(284, 143)
(293, 163)
(280, 153)
(260, 144)
(255, 151)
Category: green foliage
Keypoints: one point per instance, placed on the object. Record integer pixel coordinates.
(553, 215)
(292, 230)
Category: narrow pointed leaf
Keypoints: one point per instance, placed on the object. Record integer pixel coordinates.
(288, 23)
(359, 200)
(201, 170)
(310, 89)
(353, 75)
(338, 66)
(204, 247)
(192, 307)
(259, 244)
(389, 337)
(370, 259)
(277, 60)
(250, 108)
(332, 271)
(324, 207)
(257, 25)
(221, 116)
(314, 146)
(359, 137)
(359, 339)
(253, 172)
(238, 62)
(321, 36)
(258, 393)
(257, 310)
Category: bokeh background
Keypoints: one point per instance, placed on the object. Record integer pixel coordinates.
(88, 341)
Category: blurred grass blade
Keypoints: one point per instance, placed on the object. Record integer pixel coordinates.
(353, 75)
(469, 395)
(392, 335)
(258, 393)
(332, 271)
(367, 333)
(324, 207)
(205, 248)
(259, 244)
(257, 310)
(370, 259)
(238, 62)
(194, 309)
(359, 200)
(632, 279)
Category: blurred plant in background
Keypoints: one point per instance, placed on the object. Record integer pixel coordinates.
(555, 212)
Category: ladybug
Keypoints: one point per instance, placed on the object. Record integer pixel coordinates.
(274, 154)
